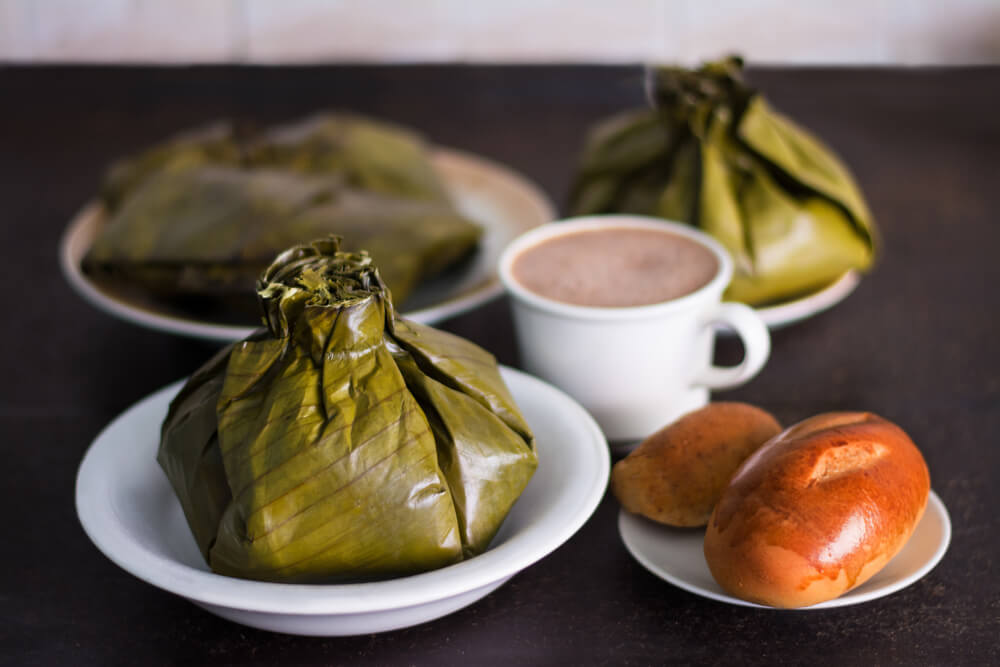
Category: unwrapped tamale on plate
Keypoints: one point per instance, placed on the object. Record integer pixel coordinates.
(711, 152)
(200, 216)
(343, 443)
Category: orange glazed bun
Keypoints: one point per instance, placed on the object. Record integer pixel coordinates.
(817, 510)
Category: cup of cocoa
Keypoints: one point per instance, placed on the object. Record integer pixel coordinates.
(621, 311)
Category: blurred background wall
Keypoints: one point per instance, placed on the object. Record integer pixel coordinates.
(877, 32)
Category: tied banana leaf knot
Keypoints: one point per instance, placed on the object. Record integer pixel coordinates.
(711, 152)
(343, 443)
(693, 97)
(316, 275)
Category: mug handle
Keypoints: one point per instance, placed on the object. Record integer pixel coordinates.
(756, 346)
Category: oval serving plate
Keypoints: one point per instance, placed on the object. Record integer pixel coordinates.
(128, 509)
(503, 201)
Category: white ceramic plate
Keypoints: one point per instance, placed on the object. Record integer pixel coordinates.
(128, 509)
(501, 200)
(676, 555)
(790, 312)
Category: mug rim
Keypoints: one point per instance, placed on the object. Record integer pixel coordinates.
(565, 226)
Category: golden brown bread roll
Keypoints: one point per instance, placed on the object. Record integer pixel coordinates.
(676, 475)
(817, 510)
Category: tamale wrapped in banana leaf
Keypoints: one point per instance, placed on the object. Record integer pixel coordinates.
(343, 443)
(369, 154)
(200, 216)
(209, 231)
(214, 144)
(711, 152)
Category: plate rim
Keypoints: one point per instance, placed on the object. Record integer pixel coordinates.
(203, 587)
(72, 246)
(851, 597)
(785, 313)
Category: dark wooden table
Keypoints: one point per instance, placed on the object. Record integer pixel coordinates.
(917, 342)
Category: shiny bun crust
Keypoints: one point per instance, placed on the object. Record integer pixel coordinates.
(817, 510)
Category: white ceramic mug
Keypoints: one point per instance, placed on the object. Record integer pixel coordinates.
(635, 369)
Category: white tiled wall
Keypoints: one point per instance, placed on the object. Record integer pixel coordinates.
(280, 31)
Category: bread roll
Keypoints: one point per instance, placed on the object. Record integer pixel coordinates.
(676, 475)
(817, 510)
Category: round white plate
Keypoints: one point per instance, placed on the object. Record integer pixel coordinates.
(496, 197)
(128, 509)
(675, 555)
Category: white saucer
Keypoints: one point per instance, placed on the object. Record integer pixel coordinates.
(675, 555)
(501, 200)
(129, 510)
(789, 312)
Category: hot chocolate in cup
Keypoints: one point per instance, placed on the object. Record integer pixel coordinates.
(620, 311)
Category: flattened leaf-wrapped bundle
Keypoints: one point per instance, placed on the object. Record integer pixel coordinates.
(209, 231)
(197, 218)
(343, 443)
(368, 154)
(711, 152)
(211, 145)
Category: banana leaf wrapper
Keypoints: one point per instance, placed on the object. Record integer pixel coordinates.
(711, 152)
(342, 443)
(368, 154)
(211, 145)
(208, 231)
